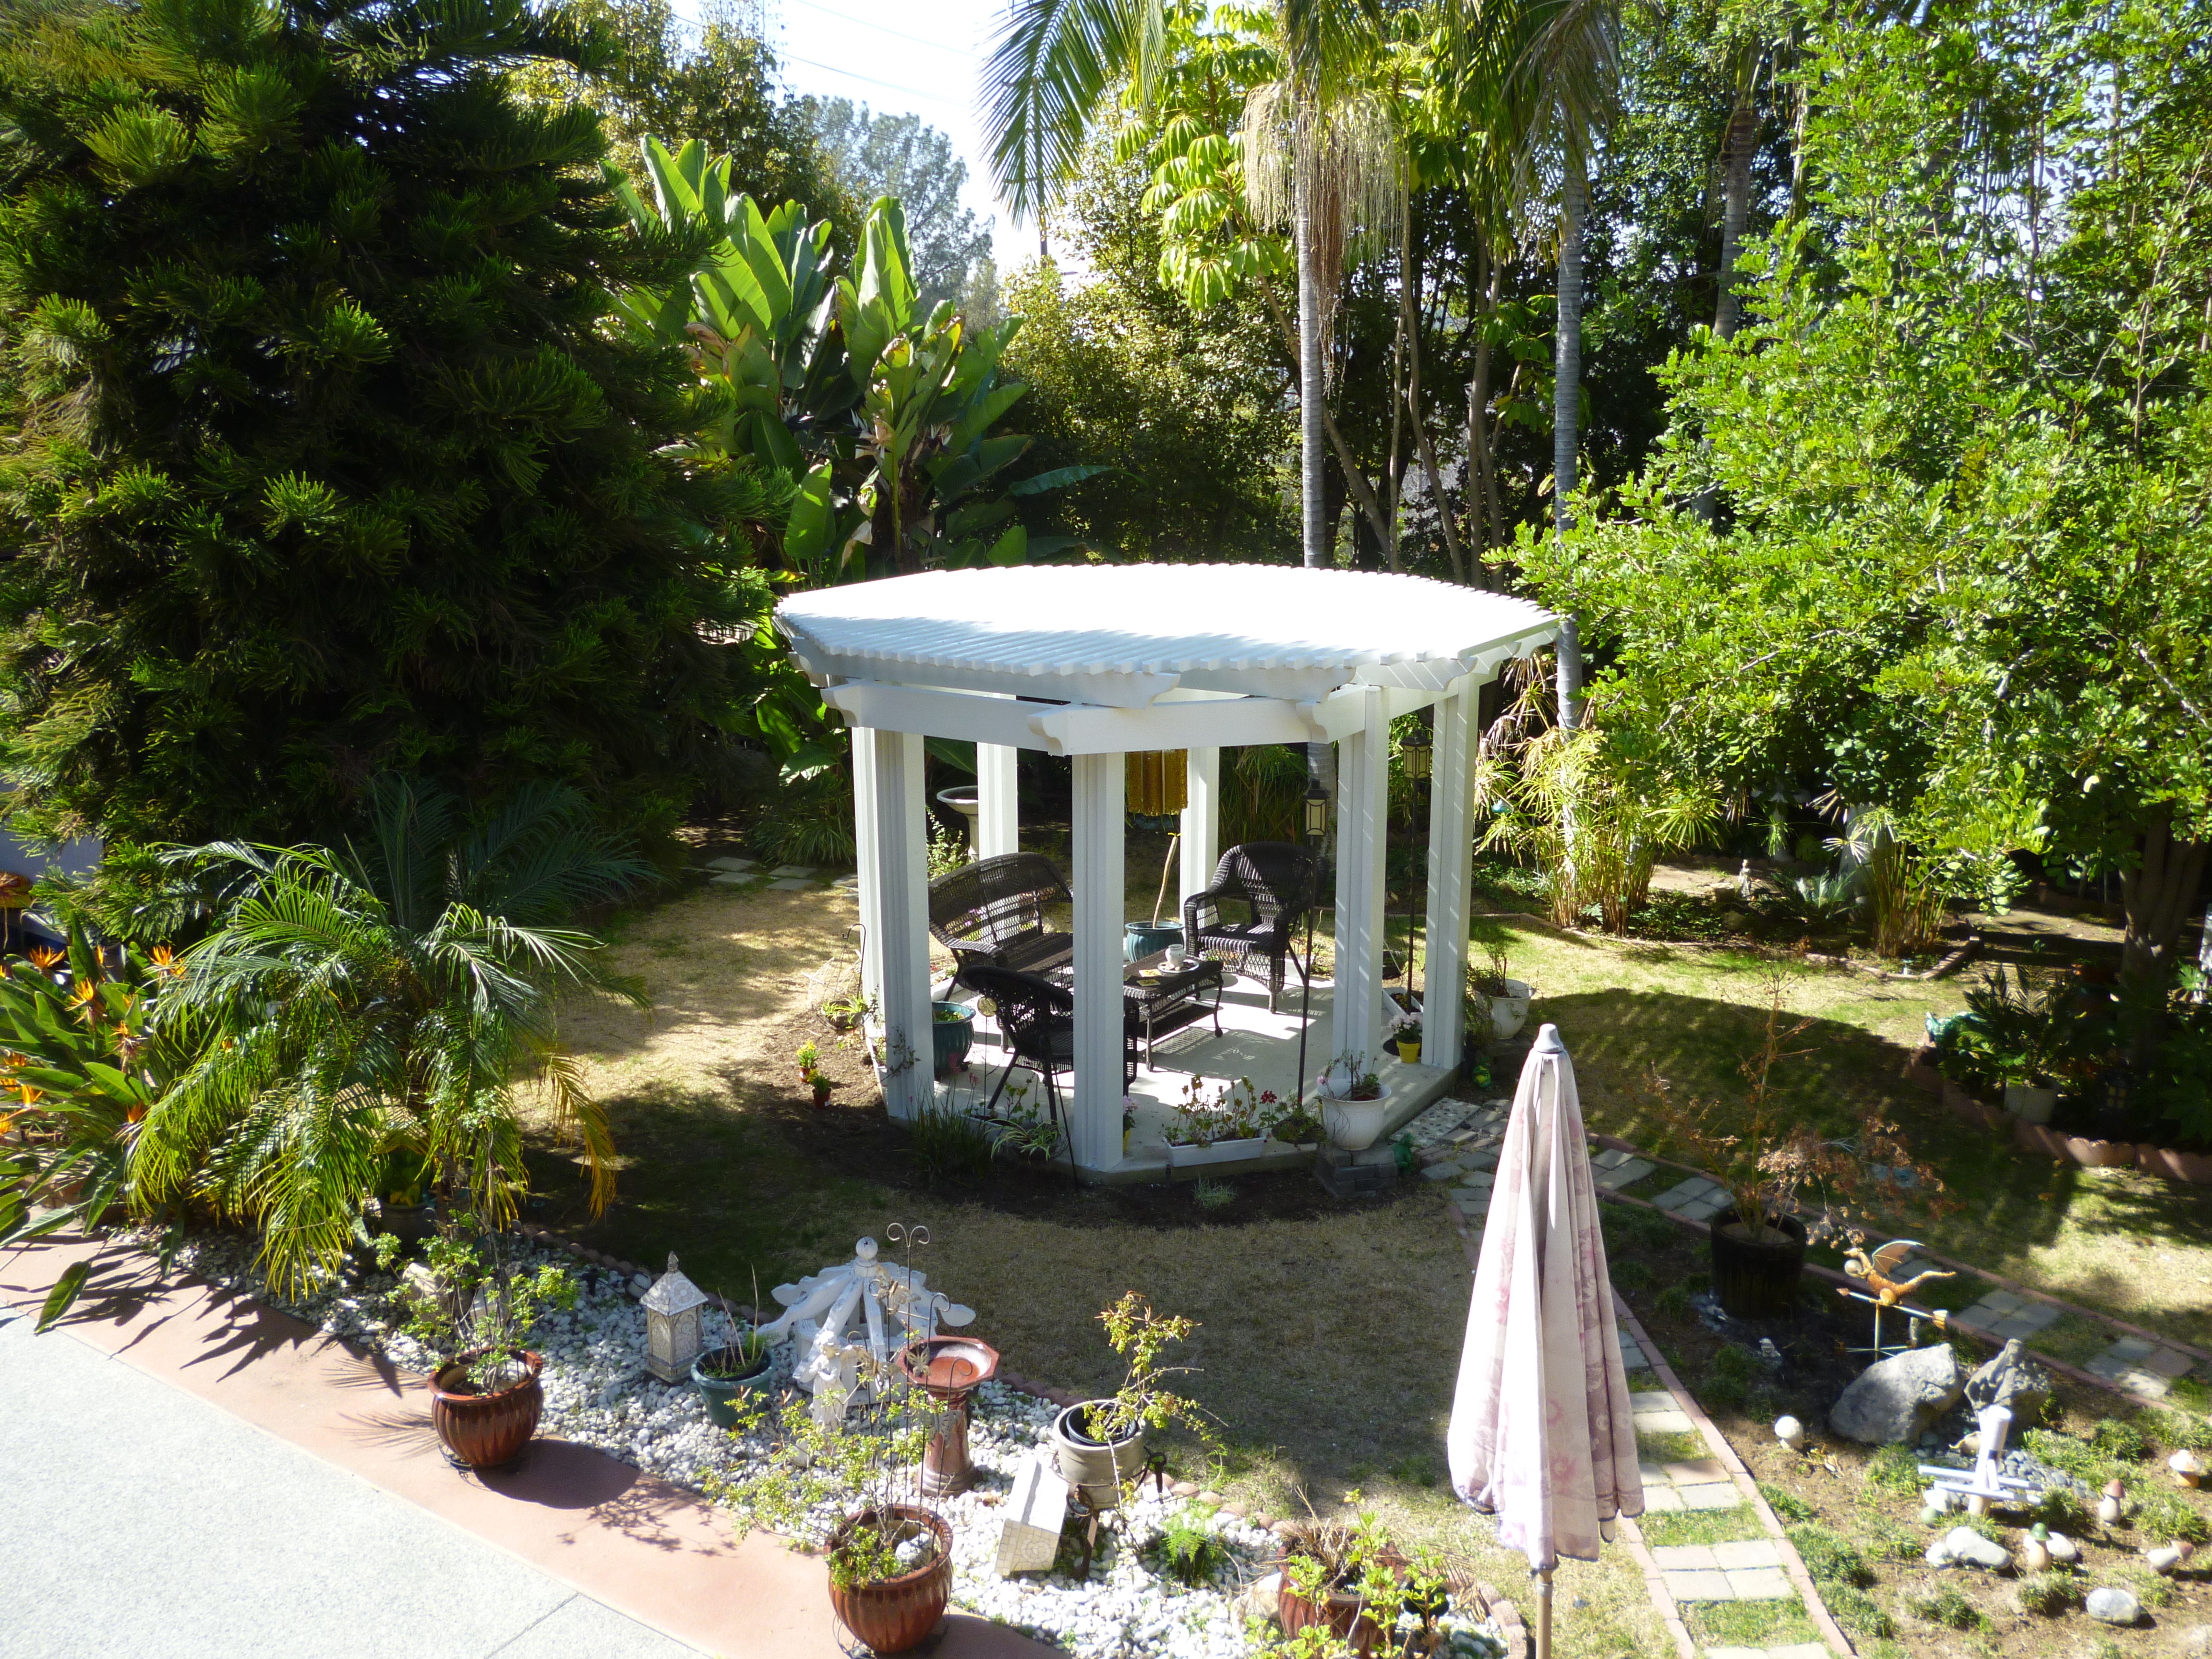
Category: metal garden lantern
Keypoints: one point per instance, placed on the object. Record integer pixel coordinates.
(675, 1314)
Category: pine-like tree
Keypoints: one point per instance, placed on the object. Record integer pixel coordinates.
(323, 463)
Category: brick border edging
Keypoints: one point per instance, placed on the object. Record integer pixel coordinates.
(1614, 1143)
(1792, 1563)
(2061, 1366)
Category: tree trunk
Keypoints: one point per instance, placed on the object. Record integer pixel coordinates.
(2158, 895)
(1410, 283)
(1355, 480)
(1317, 552)
(1566, 414)
(1736, 147)
(1478, 489)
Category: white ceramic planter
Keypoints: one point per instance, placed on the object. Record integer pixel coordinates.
(1510, 1013)
(1220, 1151)
(1352, 1125)
(2029, 1104)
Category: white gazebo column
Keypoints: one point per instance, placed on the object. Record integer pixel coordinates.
(1363, 804)
(871, 886)
(902, 906)
(1094, 1124)
(997, 794)
(1451, 873)
(1201, 820)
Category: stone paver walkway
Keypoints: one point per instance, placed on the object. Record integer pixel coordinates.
(2137, 1363)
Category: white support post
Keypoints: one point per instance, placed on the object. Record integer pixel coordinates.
(1363, 798)
(998, 793)
(1201, 821)
(871, 882)
(1095, 1124)
(902, 910)
(1451, 873)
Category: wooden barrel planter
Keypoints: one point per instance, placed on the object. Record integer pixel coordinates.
(1757, 1278)
(486, 1430)
(896, 1615)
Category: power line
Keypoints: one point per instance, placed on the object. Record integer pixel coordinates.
(888, 86)
(934, 46)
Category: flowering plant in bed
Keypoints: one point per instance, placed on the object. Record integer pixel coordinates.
(1237, 1112)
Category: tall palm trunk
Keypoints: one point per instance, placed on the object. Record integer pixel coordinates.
(1320, 757)
(1735, 205)
(1566, 410)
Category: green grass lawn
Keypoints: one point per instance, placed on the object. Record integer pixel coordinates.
(2113, 1240)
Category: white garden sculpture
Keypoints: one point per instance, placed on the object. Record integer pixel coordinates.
(864, 1310)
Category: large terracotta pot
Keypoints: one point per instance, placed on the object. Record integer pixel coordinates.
(1757, 1279)
(1342, 1612)
(896, 1615)
(485, 1431)
(1093, 1468)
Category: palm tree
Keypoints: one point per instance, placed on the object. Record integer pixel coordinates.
(397, 996)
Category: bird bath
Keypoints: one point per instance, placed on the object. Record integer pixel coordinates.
(949, 1370)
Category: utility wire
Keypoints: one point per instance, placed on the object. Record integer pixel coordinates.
(888, 86)
(880, 29)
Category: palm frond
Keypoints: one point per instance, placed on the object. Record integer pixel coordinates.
(1053, 63)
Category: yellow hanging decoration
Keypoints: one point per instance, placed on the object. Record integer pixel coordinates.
(1157, 782)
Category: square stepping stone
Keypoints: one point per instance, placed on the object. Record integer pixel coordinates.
(1696, 1474)
(1712, 1585)
(2002, 1302)
(733, 879)
(1446, 1170)
(1747, 1553)
(1612, 1158)
(1977, 1318)
(2013, 1326)
(1800, 1651)
(1651, 1474)
(1471, 1200)
(790, 884)
(1761, 1585)
(1624, 1175)
(1654, 1399)
(2132, 1347)
(2040, 1314)
(1720, 1495)
(1684, 1558)
(731, 864)
(1665, 1422)
(2144, 1382)
(1742, 1653)
(1662, 1500)
(847, 884)
(2169, 1362)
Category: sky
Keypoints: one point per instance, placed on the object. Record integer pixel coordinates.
(905, 58)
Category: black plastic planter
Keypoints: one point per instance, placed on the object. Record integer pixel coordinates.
(1756, 1280)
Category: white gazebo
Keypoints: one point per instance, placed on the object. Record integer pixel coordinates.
(1096, 662)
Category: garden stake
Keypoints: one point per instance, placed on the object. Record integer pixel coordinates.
(1166, 865)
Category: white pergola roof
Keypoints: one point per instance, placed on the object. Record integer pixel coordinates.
(1124, 636)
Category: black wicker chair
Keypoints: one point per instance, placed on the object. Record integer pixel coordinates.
(1273, 881)
(991, 913)
(1037, 1023)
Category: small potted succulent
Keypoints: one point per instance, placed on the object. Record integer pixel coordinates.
(1099, 1444)
(485, 1399)
(1354, 1104)
(1406, 1035)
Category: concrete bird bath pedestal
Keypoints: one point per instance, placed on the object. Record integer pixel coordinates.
(949, 1370)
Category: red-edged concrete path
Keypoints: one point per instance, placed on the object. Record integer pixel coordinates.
(636, 1544)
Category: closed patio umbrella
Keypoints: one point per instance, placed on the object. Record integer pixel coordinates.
(1541, 1435)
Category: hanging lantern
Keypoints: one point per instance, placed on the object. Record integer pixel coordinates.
(1157, 782)
(1316, 813)
(1416, 754)
(674, 1314)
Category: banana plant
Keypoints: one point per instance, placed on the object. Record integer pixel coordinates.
(79, 1054)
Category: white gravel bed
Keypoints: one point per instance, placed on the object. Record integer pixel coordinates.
(598, 1393)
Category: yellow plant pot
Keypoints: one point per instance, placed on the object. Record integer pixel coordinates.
(1410, 1053)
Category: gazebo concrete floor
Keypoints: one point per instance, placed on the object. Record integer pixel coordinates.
(1253, 1043)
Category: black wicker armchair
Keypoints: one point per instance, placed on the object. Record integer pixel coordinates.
(992, 914)
(1037, 1023)
(1273, 881)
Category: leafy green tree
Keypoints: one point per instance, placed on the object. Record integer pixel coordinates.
(325, 459)
(1958, 450)
(876, 155)
(401, 995)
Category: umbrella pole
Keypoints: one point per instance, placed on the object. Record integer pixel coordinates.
(1544, 1614)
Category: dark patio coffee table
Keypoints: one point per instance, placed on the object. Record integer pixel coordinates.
(1151, 991)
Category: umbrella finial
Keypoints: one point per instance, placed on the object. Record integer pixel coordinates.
(1548, 1042)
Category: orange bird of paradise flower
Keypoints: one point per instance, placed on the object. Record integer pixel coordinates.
(45, 960)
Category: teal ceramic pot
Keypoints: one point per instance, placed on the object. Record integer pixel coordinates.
(952, 1038)
(1145, 938)
(716, 1393)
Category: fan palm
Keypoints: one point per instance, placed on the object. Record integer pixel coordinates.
(401, 994)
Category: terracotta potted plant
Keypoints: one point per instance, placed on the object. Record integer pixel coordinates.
(1351, 1578)
(1786, 1184)
(1099, 1444)
(854, 1458)
(1354, 1104)
(486, 1400)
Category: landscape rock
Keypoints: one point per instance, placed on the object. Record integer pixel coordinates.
(1963, 1546)
(2197, 1640)
(1263, 1600)
(2110, 1604)
(2062, 1549)
(1895, 1400)
(2012, 1381)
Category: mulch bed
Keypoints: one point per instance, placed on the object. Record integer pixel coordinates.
(1869, 1499)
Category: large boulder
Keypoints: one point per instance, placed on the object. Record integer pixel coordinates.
(1898, 1398)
